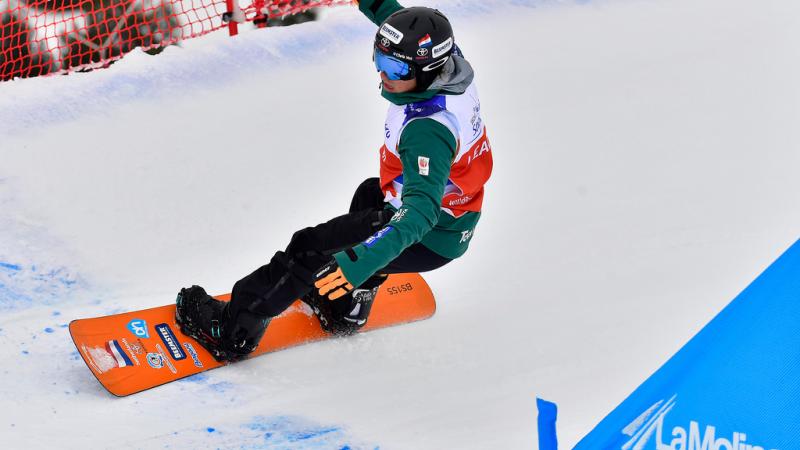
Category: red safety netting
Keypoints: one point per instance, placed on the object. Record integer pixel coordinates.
(40, 37)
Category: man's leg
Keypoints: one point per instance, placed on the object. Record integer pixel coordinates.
(347, 314)
(233, 330)
(415, 259)
(368, 195)
(270, 289)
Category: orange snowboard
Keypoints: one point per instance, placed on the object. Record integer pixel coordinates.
(135, 351)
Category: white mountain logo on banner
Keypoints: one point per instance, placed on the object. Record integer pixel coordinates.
(647, 432)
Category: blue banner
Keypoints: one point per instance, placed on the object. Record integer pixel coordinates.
(734, 386)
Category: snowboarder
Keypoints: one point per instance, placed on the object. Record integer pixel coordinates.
(419, 215)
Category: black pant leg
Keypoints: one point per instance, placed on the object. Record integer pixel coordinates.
(416, 258)
(272, 288)
(368, 195)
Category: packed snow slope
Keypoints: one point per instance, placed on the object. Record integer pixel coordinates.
(646, 170)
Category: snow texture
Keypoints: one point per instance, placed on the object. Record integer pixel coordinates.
(646, 159)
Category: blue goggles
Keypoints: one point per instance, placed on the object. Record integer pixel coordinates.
(392, 67)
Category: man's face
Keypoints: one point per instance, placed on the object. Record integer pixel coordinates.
(398, 86)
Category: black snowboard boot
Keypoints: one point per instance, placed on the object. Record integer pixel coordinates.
(349, 313)
(210, 322)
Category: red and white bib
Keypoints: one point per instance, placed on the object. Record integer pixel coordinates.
(472, 166)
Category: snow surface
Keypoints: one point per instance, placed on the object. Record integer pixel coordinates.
(646, 170)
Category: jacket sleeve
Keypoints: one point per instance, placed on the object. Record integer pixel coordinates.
(378, 10)
(426, 149)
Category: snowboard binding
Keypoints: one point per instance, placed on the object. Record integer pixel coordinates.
(209, 322)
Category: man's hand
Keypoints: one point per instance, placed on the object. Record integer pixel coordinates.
(331, 282)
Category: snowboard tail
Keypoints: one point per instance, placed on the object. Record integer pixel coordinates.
(139, 350)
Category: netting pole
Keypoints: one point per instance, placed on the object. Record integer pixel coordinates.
(233, 25)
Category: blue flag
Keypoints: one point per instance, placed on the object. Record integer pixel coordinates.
(547, 424)
(734, 386)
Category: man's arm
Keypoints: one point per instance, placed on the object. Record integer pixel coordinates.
(427, 149)
(378, 10)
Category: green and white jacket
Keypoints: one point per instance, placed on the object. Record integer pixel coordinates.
(434, 163)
